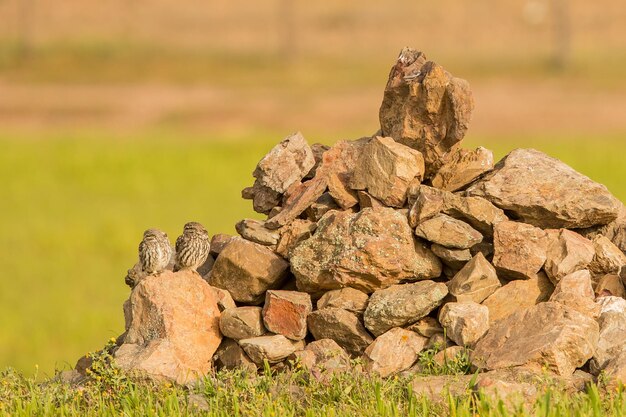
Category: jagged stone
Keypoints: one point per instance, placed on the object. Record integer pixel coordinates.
(463, 167)
(292, 234)
(609, 285)
(608, 258)
(323, 358)
(224, 299)
(453, 258)
(427, 327)
(576, 291)
(449, 232)
(465, 322)
(567, 252)
(318, 150)
(426, 108)
(546, 193)
(343, 170)
(321, 206)
(475, 282)
(519, 249)
(264, 199)
(285, 313)
(367, 201)
(612, 322)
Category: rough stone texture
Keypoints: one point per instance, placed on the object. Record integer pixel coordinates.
(324, 358)
(242, 323)
(449, 232)
(463, 167)
(224, 299)
(547, 335)
(285, 313)
(486, 248)
(612, 324)
(546, 193)
(349, 299)
(614, 231)
(512, 386)
(427, 327)
(517, 296)
(393, 352)
(367, 201)
(519, 249)
(287, 163)
(321, 206)
(231, 356)
(301, 197)
(615, 370)
(576, 291)
(426, 203)
(608, 258)
(273, 348)
(172, 327)
(340, 178)
(437, 388)
(264, 199)
(400, 305)
(475, 282)
(367, 250)
(425, 107)
(465, 323)
(219, 242)
(247, 269)
(567, 252)
(318, 150)
(453, 258)
(385, 169)
(292, 234)
(343, 327)
(255, 231)
(610, 285)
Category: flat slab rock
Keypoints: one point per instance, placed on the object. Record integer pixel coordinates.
(546, 193)
(368, 250)
(546, 336)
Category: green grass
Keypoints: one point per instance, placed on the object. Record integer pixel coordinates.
(73, 208)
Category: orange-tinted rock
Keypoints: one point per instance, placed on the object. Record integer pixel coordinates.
(242, 323)
(519, 249)
(349, 299)
(475, 282)
(285, 313)
(576, 291)
(608, 258)
(343, 327)
(610, 285)
(255, 231)
(463, 167)
(465, 322)
(449, 232)
(342, 172)
(292, 234)
(393, 352)
(567, 252)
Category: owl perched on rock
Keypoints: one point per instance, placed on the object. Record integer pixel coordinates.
(155, 251)
(192, 247)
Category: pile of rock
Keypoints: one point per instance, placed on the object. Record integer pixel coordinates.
(381, 247)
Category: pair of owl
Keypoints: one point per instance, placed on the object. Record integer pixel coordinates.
(192, 249)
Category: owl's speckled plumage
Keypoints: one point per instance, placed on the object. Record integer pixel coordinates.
(192, 247)
(155, 251)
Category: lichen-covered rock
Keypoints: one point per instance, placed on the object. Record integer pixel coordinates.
(242, 323)
(425, 107)
(367, 250)
(247, 269)
(449, 232)
(546, 193)
(519, 249)
(349, 299)
(476, 281)
(465, 322)
(393, 352)
(343, 327)
(567, 252)
(463, 167)
(400, 305)
(172, 328)
(386, 168)
(285, 313)
(547, 336)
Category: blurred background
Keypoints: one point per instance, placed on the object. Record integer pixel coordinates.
(118, 116)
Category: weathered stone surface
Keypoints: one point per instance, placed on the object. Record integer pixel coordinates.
(385, 169)
(242, 323)
(321, 206)
(287, 163)
(341, 326)
(475, 282)
(449, 232)
(264, 199)
(519, 249)
(318, 150)
(567, 252)
(615, 370)
(247, 269)
(437, 388)
(546, 193)
(426, 203)
(292, 234)
(512, 386)
(366, 250)
(324, 358)
(576, 291)
(612, 324)
(463, 167)
(547, 335)
(518, 295)
(439, 341)
(349, 299)
(255, 231)
(272, 348)
(224, 299)
(486, 248)
(341, 176)
(172, 327)
(610, 285)
(400, 305)
(454, 258)
(285, 313)
(393, 352)
(231, 356)
(427, 327)
(219, 242)
(465, 323)
(367, 201)
(608, 258)
(614, 231)
(426, 108)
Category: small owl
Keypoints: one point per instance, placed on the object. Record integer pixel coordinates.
(155, 251)
(192, 247)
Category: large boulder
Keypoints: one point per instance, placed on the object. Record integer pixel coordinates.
(400, 305)
(247, 269)
(386, 168)
(546, 193)
(547, 336)
(368, 250)
(425, 107)
(172, 327)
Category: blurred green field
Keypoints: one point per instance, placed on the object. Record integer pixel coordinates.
(74, 207)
